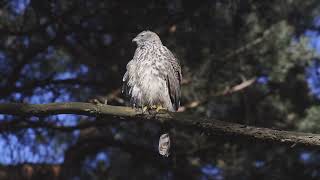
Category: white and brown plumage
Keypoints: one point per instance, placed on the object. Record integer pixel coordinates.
(153, 76)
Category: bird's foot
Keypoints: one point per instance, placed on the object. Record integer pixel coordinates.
(154, 109)
(99, 102)
(160, 109)
(157, 109)
(140, 110)
(144, 109)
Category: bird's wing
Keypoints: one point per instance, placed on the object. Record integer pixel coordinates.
(174, 78)
(125, 79)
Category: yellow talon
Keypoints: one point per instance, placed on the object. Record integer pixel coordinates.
(160, 108)
(156, 108)
(144, 108)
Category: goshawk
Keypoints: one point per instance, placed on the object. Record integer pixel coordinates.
(153, 77)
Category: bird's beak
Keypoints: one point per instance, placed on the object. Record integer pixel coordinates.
(135, 39)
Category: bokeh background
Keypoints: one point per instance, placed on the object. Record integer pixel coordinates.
(77, 50)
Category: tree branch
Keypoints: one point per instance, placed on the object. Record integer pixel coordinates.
(30, 171)
(208, 126)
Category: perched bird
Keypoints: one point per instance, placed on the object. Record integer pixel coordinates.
(153, 76)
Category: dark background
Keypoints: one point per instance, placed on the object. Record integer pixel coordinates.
(77, 50)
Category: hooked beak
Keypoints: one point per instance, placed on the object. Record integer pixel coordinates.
(135, 39)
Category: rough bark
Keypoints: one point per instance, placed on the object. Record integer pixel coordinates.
(30, 171)
(208, 126)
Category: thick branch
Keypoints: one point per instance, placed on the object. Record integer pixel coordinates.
(209, 126)
(78, 108)
(30, 171)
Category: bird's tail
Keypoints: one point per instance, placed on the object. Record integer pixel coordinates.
(164, 145)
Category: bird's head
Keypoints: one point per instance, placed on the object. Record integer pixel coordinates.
(146, 37)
